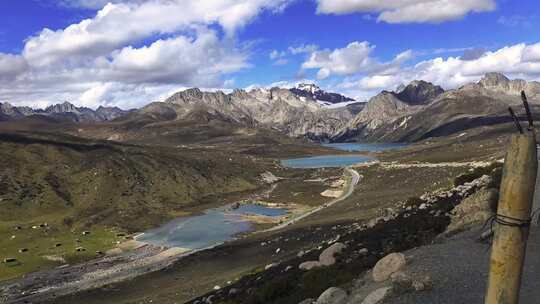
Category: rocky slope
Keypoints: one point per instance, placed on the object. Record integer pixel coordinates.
(423, 110)
(64, 110)
(276, 109)
(312, 91)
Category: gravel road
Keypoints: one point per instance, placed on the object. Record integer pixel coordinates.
(459, 269)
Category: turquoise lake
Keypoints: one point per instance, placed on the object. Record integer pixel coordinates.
(340, 160)
(219, 225)
(375, 147)
(201, 231)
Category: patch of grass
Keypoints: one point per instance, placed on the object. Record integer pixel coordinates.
(40, 243)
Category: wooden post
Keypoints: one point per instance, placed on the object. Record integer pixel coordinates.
(511, 228)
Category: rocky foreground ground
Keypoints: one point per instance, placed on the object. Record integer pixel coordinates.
(364, 263)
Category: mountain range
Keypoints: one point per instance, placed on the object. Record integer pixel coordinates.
(412, 112)
(64, 110)
(421, 109)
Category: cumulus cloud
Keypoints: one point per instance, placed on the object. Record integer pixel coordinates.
(408, 11)
(96, 61)
(516, 61)
(279, 58)
(93, 4)
(122, 23)
(11, 66)
(354, 58)
(181, 59)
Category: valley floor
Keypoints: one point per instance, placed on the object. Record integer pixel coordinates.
(411, 172)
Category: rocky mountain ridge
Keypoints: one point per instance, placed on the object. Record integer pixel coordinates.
(312, 91)
(422, 109)
(65, 110)
(276, 108)
(416, 111)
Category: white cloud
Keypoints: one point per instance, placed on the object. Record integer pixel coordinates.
(279, 57)
(11, 66)
(346, 61)
(516, 61)
(198, 61)
(275, 54)
(408, 11)
(304, 48)
(93, 4)
(352, 59)
(122, 23)
(95, 62)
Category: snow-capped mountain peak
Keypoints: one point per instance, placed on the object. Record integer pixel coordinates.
(308, 87)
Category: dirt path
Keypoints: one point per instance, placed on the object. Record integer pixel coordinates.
(355, 178)
(395, 165)
(459, 269)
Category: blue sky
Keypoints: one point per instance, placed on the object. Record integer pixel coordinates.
(131, 52)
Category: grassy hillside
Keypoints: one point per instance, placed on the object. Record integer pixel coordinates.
(75, 185)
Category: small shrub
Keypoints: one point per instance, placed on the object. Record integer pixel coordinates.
(68, 221)
(413, 201)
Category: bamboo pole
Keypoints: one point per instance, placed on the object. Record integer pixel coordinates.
(511, 227)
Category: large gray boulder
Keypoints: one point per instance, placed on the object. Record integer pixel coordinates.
(327, 256)
(388, 265)
(332, 295)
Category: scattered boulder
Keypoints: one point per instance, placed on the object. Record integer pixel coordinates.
(269, 178)
(80, 249)
(309, 265)
(270, 266)
(23, 250)
(332, 295)
(475, 209)
(378, 295)
(388, 265)
(85, 232)
(405, 282)
(327, 256)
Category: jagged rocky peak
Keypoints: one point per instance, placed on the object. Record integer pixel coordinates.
(240, 94)
(185, 96)
(419, 92)
(6, 106)
(62, 108)
(195, 95)
(497, 83)
(312, 91)
(494, 79)
(308, 87)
